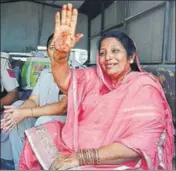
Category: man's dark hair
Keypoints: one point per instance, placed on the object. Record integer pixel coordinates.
(50, 38)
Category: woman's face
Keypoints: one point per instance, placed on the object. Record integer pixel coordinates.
(113, 58)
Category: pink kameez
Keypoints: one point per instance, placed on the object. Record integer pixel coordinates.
(133, 112)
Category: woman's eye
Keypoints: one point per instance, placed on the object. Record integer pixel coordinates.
(102, 53)
(115, 50)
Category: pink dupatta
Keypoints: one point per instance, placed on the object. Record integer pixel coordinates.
(134, 113)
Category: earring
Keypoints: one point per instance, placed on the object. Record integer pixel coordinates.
(131, 61)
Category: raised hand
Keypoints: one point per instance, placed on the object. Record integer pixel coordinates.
(64, 34)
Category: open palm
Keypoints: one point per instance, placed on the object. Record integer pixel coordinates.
(64, 34)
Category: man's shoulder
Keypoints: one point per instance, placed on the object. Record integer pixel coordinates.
(46, 70)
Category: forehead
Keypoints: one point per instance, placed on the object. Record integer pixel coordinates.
(111, 41)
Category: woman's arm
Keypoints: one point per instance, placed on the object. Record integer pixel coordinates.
(112, 154)
(61, 73)
(15, 115)
(58, 108)
(63, 41)
(115, 154)
(32, 101)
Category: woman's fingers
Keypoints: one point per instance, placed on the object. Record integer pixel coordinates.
(2, 123)
(7, 122)
(9, 127)
(78, 37)
(8, 110)
(57, 22)
(7, 116)
(69, 14)
(63, 13)
(74, 21)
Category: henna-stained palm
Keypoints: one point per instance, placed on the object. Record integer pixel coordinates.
(64, 33)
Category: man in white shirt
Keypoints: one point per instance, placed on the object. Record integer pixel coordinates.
(9, 84)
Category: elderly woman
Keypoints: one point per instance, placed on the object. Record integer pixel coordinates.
(117, 116)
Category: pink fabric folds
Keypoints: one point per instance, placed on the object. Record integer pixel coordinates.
(133, 112)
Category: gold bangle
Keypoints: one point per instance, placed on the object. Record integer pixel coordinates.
(88, 157)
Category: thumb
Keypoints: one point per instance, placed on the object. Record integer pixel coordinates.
(78, 37)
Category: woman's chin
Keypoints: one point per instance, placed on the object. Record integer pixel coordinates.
(111, 73)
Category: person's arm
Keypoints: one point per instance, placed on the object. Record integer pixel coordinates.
(15, 115)
(61, 73)
(116, 153)
(57, 108)
(112, 154)
(32, 101)
(11, 97)
(63, 41)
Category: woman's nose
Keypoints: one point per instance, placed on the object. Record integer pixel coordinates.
(108, 56)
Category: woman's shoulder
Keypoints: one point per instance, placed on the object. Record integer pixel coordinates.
(145, 78)
(86, 74)
(86, 70)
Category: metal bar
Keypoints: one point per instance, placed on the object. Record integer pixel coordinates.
(148, 63)
(126, 15)
(10, 1)
(166, 33)
(35, 1)
(89, 33)
(95, 35)
(44, 3)
(146, 11)
(102, 15)
(53, 2)
(40, 22)
(170, 63)
(113, 27)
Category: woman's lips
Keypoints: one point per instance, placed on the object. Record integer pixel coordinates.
(109, 66)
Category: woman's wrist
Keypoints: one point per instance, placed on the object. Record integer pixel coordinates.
(28, 112)
(88, 157)
(25, 112)
(60, 60)
(60, 57)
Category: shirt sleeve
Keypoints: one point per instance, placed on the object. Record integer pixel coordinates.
(9, 81)
(36, 90)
